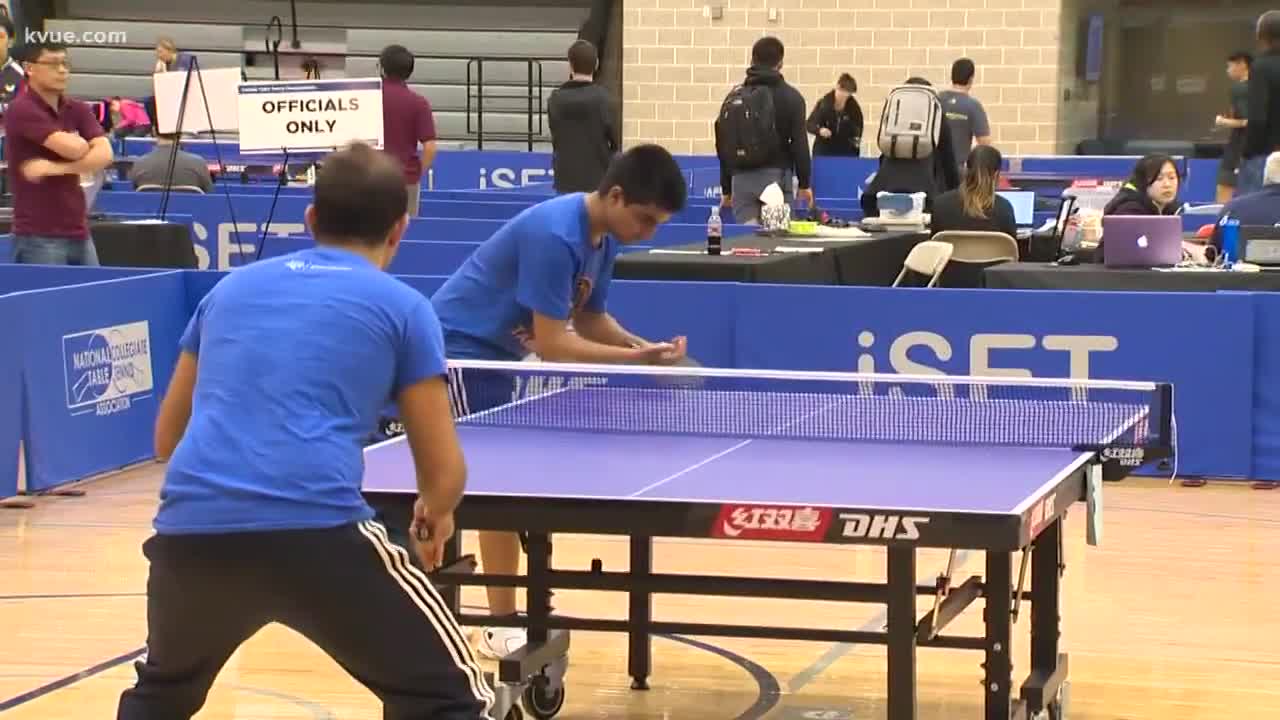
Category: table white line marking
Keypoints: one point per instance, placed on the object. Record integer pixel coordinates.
(689, 469)
(742, 444)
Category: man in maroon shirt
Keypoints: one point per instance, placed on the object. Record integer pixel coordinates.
(50, 141)
(406, 120)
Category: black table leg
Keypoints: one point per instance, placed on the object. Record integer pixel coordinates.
(451, 592)
(537, 598)
(1048, 666)
(999, 655)
(640, 613)
(902, 632)
(543, 647)
(1045, 587)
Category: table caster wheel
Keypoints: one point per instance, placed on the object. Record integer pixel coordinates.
(1058, 708)
(543, 702)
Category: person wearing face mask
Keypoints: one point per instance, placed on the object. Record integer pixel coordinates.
(1152, 189)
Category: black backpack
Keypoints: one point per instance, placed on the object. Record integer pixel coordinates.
(746, 132)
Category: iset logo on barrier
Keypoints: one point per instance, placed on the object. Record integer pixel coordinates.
(108, 368)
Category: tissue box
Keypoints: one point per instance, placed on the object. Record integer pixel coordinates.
(775, 217)
(900, 206)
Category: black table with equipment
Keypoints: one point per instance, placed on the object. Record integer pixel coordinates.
(1047, 276)
(873, 260)
(142, 244)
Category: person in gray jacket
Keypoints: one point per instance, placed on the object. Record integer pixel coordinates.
(584, 127)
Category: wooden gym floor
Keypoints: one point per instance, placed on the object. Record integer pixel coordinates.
(1173, 617)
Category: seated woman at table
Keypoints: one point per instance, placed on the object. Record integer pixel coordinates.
(1152, 189)
(975, 206)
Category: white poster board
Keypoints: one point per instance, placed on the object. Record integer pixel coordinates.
(220, 86)
(309, 115)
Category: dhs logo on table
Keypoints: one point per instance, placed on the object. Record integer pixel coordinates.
(1129, 457)
(809, 524)
(108, 368)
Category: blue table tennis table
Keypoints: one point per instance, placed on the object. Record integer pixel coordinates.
(986, 464)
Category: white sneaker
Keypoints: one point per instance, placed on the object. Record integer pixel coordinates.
(498, 642)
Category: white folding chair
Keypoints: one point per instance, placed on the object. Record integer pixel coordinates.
(973, 252)
(927, 258)
(175, 188)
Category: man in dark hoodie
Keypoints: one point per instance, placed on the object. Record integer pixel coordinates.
(1262, 135)
(584, 128)
(836, 121)
(786, 157)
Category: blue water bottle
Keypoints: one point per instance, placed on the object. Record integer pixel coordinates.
(1230, 233)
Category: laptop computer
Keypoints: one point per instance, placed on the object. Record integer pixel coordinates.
(1024, 205)
(1141, 240)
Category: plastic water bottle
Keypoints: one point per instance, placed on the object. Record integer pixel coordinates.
(1230, 234)
(715, 231)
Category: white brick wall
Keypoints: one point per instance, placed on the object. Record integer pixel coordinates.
(678, 64)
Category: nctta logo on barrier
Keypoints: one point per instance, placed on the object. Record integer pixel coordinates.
(772, 522)
(107, 369)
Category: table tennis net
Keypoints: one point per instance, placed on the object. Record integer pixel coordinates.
(809, 406)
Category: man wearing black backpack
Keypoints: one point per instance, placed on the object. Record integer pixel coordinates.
(761, 137)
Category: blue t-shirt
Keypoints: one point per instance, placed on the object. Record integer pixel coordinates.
(541, 261)
(296, 357)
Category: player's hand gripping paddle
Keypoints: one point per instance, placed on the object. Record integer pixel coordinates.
(431, 534)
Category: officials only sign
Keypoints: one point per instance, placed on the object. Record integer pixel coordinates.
(309, 115)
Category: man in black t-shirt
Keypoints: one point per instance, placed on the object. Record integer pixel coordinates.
(1235, 122)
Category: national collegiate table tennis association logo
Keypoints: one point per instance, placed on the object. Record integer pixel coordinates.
(107, 369)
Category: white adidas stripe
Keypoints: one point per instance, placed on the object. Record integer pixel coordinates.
(458, 393)
(402, 564)
(419, 589)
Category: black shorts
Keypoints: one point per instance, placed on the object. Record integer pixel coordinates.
(1228, 168)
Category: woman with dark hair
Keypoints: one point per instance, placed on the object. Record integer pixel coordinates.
(1152, 189)
(836, 121)
(975, 206)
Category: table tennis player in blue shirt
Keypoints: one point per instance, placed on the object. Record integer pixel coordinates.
(283, 371)
(519, 293)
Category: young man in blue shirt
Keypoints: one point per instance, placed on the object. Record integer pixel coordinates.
(548, 268)
(284, 369)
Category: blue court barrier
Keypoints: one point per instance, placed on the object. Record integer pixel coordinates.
(96, 360)
(220, 247)
(659, 311)
(833, 177)
(1224, 416)
(1265, 380)
(198, 284)
(1203, 344)
(10, 405)
(1220, 350)
(20, 278)
(656, 310)
(414, 257)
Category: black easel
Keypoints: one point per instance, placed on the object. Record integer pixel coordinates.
(193, 69)
(281, 180)
(273, 48)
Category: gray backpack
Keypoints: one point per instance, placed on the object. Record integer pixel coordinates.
(911, 122)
